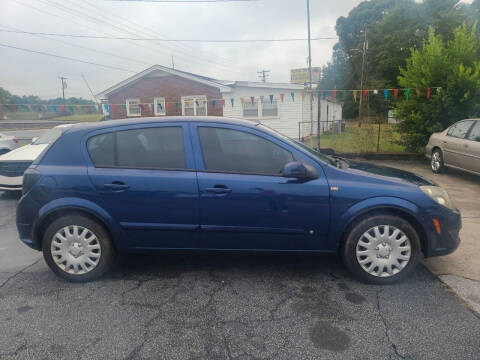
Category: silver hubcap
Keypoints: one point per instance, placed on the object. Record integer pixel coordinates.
(383, 250)
(436, 161)
(75, 249)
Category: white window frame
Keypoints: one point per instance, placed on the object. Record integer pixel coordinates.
(127, 103)
(155, 106)
(267, 101)
(194, 99)
(248, 102)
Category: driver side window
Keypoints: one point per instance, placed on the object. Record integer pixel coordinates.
(234, 151)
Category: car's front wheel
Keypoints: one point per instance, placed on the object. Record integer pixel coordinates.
(77, 248)
(381, 249)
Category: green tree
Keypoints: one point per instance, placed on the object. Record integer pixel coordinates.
(452, 65)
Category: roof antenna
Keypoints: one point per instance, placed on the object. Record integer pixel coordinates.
(173, 63)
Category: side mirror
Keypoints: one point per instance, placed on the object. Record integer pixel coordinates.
(298, 170)
(34, 139)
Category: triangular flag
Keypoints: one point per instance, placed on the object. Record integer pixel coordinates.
(428, 93)
(385, 94)
(232, 100)
(375, 92)
(418, 92)
(213, 103)
(223, 102)
(271, 98)
(407, 93)
(282, 96)
(292, 94)
(303, 94)
(252, 99)
(177, 104)
(395, 93)
(355, 95)
(334, 94)
(439, 90)
(54, 108)
(242, 100)
(365, 93)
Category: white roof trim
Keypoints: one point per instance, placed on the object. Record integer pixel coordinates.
(268, 85)
(145, 72)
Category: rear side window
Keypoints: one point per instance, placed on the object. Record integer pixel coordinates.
(475, 132)
(233, 151)
(147, 148)
(460, 129)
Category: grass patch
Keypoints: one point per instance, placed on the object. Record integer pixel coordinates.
(80, 118)
(356, 139)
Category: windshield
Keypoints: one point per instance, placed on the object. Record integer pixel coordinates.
(321, 157)
(49, 136)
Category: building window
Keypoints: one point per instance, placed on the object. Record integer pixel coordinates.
(194, 105)
(133, 107)
(159, 104)
(269, 108)
(250, 110)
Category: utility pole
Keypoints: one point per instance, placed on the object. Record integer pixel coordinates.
(263, 74)
(310, 73)
(363, 77)
(64, 86)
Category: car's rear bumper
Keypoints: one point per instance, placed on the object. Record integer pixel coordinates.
(27, 210)
(11, 183)
(448, 240)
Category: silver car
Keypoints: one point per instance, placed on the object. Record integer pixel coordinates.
(457, 147)
(7, 143)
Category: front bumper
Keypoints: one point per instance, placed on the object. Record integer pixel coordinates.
(11, 183)
(448, 240)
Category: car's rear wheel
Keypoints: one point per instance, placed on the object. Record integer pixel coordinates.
(381, 249)
(436, 161)
(77, 248)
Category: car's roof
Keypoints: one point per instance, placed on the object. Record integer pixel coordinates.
(156, 120)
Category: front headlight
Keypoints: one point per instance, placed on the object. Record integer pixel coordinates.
(439, 195)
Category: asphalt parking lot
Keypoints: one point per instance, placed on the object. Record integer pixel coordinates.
(223, 306)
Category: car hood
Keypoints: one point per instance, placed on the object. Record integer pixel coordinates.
(390, 172)
(25, 153)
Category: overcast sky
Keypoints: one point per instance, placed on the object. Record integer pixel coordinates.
(26, 73)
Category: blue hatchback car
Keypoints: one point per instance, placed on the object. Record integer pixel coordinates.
(176, 183)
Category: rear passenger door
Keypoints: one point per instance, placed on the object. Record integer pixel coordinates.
(145, 177)
(473, 138)
(456, 145)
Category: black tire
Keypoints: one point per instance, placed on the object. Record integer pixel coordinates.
(107, 250)
(436, 161)
(349, 248)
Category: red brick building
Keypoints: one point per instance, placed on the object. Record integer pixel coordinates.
(161, 91)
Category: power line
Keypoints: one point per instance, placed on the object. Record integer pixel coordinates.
(81, 47)
(67, 58)
(102, 22)
(186, 1)
(169, 40)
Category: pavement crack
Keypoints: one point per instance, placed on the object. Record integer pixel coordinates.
(18, 272)
(387, 330)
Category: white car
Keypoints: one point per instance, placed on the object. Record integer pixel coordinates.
(7, 143)
(14, 163)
